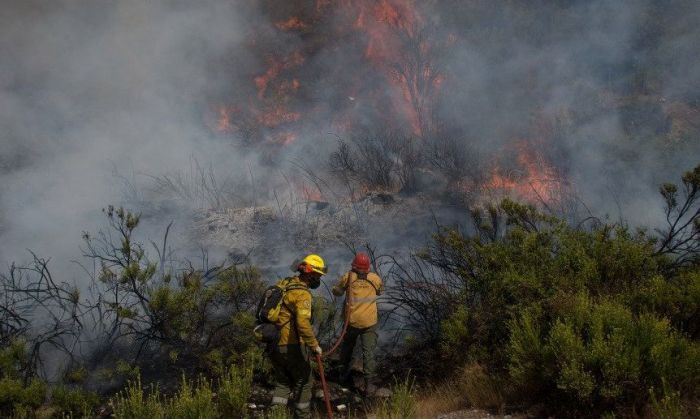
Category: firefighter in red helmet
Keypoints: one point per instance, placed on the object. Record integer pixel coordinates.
(361, 287)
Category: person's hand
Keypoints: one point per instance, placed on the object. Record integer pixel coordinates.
(317, 350)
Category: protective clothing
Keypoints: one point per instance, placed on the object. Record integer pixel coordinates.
(361, 263)
(313, 263)
(294, 319)
(290, 357)
(363, 289)
(368, 342)
(292, 371)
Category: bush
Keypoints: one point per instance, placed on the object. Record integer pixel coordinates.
(402, 403)
(234, 390)
(388, 162)
(583, 320)
(193, 402)
(15, 396)
(133, 403)
(601, 354)
(74, 402)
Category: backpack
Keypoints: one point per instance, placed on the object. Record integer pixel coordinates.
(268, 311)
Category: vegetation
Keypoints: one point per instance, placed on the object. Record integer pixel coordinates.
(588, 319)
(537, 313)
(137, 307)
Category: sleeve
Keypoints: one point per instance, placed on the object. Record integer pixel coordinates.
(339, 288)
(379, 285)
(302, 313)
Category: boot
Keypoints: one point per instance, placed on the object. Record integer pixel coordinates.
(345, 379)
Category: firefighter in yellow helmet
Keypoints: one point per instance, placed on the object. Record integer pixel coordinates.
(290, 358)
(361, 287)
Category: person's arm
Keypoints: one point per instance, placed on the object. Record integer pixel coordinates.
(339, 288)
(302, 316)
(379, 285)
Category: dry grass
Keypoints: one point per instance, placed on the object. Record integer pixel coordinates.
(471, 387)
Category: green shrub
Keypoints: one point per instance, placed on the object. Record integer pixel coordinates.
(133, 403)
(15, 396)
(605, 357)
(582, 320)
(402, 403)
(192, 402)
(234, 390)
(278, 412)
(669, 407)
(74, 402)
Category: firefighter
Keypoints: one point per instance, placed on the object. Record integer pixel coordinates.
(362, 288)
(290, 358)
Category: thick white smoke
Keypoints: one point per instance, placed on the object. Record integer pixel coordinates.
(89, 89)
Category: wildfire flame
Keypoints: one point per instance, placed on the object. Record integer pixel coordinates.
(293, 23)
(393, 39)
(224, 122)
(535, 180)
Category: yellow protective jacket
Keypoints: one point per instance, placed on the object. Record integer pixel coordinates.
(294, 319)
(363, 297)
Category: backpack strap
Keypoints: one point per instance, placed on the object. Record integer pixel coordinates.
(362, 278)
(292, 316)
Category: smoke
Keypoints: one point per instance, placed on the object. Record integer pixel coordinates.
(101, 97)
(90, 89)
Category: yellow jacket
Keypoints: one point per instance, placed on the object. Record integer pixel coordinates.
(363, 297)
(295, 314)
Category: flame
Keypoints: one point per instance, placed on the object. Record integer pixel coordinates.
(276, 66)
(223, 124)
(310, 194)
(394, 44)
(534, 181)
(292, 23)
(277, 116)
(285, 138)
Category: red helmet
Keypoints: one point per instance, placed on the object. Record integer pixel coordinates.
(361, 262)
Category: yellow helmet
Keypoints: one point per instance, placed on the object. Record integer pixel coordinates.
(313, 263)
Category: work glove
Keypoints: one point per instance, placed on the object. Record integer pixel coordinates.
(317, 350)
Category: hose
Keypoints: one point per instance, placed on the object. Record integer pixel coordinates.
(326, 397)
(346, 322)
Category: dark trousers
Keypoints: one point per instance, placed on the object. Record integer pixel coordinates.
(368, 340)
(293, 378)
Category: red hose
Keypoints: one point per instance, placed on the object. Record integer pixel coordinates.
(345, 323)
(326, 397)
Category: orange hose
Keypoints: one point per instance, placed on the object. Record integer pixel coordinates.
(326, 397)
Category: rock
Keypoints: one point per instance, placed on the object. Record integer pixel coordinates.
(382, 392)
